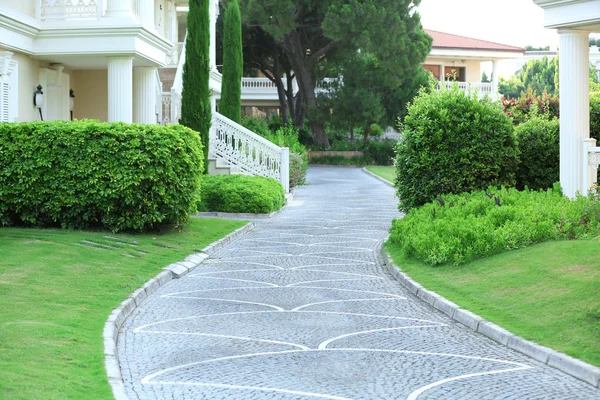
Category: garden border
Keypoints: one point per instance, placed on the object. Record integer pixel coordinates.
(567, 364)
(377, 177)
(119, 315)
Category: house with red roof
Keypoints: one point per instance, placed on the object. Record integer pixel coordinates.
(458, 58)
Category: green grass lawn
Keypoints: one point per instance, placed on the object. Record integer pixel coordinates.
(548, 293)
(387, 173)
(57, 289)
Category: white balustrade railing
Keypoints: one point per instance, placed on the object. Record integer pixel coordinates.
(173, 56)
(243, 148)
(262, 85)
(68, 9)
(591, 161)
(481, 88)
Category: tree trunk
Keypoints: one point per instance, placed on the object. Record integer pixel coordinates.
(283, 104)
(352, 135)
(366, 134)
(306, 84)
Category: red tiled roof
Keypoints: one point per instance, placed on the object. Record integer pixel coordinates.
(450, 41)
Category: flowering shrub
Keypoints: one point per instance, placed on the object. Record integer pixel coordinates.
(530, 105)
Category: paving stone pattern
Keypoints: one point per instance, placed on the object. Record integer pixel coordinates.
(302, 308)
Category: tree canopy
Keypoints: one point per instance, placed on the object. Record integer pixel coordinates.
(311, 33)
(538, 74)
(231, 103)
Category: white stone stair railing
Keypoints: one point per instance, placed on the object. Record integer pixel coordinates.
(248, 151)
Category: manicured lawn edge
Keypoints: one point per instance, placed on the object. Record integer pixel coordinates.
(569, 365)
(119, 315)
(378, 177)
(218, 214)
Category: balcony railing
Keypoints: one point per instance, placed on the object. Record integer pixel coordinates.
(173, 56)
(481, 88)
(69, 9)
(51, 10)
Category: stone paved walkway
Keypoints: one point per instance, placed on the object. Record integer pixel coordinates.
(302, 308)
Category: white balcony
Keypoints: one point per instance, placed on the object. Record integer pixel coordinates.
(481, 88)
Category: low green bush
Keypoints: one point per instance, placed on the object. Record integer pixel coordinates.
(241, 194)
(380, 152)
(258, 125)
(88, 174)
(453, 143)
(460, 228)
(531, 105)
(539, 147)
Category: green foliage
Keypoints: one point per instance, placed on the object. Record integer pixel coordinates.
(241, 194)
(538, 75)
(539, 147)
(88, 174)
(530, 105)
(380, 152)
(453, 143)
(484, 77)
(196, 108)
(233, 64)
(595, 115)
(460, 228)
(330, 35)
(258, 125)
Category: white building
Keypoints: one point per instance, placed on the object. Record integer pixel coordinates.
(579, 156)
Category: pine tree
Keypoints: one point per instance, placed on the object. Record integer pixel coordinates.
(231, 104)
(195, 98)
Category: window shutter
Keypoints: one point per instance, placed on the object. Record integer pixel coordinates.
(4, 101)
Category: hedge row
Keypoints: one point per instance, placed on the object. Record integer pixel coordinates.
(88, 174)
(241, 194)
(460, 228)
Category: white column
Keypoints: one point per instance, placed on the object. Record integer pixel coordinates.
(495, 94)
(574, 108)
(120, 87)
(118, 8)
(213, 7)
(144, 95)
(147, 13)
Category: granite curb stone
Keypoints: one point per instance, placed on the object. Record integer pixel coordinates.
(117, 317)
(378, 177)
(569, 365)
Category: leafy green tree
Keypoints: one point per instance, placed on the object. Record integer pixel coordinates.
(309, 31)
(538, 75)
(196, 110)
(484, 77)
(368, 95)
(231, 101)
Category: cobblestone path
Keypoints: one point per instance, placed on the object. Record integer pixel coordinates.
(302, 308)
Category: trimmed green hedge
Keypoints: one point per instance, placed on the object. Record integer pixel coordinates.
(539, 145)
(452, 142)
(241, 194)
(88, 174)
(460, 228)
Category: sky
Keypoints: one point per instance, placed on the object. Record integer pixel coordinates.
(513, 22)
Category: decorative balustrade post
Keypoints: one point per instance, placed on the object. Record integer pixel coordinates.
(285, 169)
(118, 9)
(590, 165)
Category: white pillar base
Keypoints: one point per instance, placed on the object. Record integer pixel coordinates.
(120, 89)
(574, 108)
(118, 9)
(144, 95)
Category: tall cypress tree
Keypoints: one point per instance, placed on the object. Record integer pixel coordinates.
(231, 103)
(195, 98)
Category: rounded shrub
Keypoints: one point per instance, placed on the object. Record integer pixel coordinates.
(88, 174)
(241, 194)
(453, 143)
(539, 147)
